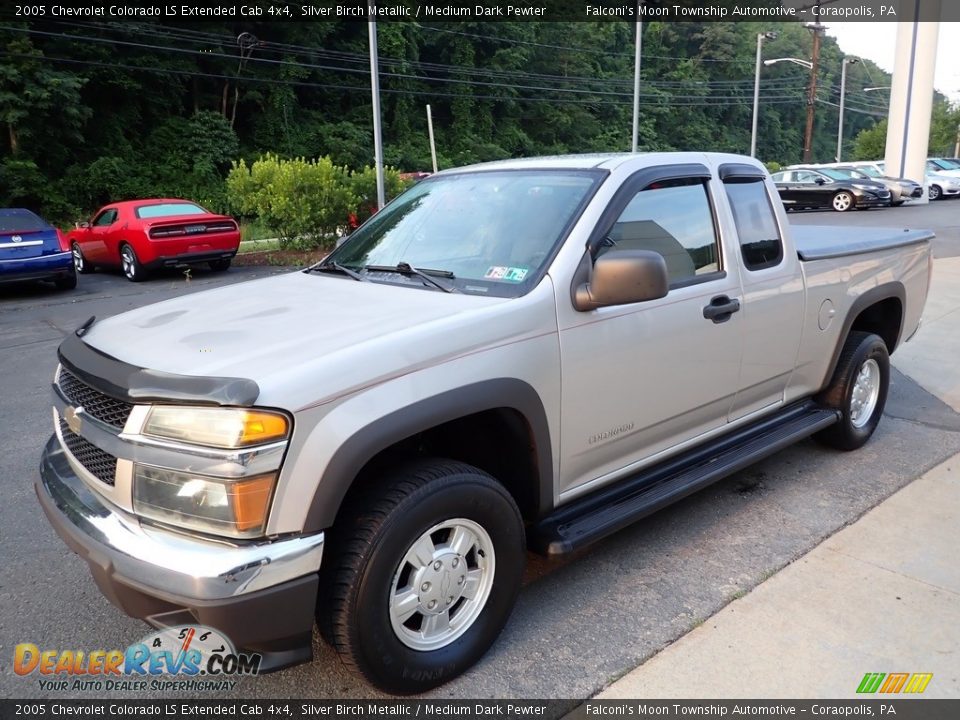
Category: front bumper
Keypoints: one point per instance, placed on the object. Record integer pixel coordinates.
(44, 267)
(260, 595)
(868, 199)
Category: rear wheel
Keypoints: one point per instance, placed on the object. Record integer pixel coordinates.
(934, 192)
(79, 261)
(842, 201)
(427, 568)
(858, 390)
(132, 269)
(220, 265)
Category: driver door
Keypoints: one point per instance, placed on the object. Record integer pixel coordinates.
(96, 248)
(642, 378)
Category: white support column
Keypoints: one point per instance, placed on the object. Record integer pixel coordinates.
(911, 94)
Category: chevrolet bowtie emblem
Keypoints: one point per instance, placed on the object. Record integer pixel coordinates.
(70, 418)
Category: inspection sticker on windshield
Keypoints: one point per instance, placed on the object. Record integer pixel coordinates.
(511, 274)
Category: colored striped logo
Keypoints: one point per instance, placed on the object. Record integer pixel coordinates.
(894, 683)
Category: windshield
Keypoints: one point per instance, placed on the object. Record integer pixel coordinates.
(943, 164)
(169, 209)
(869, 171)
(951, 164)
(834, 174)
(494, 231)
(850, 173)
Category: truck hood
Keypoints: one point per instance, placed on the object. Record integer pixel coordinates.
(353, 334)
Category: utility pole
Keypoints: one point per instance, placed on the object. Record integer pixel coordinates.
(956, 147)
(817, 29)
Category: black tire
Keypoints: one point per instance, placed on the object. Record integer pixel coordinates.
(220, 265)
(369, 547)
(934, 192)
(130, 264)
(852, 432)
(67, 283)
(843, 201)
(80, 263)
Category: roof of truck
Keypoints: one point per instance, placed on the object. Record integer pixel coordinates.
(607, 161)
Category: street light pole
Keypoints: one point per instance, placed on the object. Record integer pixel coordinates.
(843, 95)
(756, 89)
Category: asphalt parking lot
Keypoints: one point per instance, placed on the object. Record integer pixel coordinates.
(579, 623)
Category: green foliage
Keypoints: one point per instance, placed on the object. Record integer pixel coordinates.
(303, 201)
(871, 144)
(944, 129)
(95, 121)
(773, 166)
(363, 187)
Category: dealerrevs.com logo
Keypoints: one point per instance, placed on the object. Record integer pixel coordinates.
(186, 657)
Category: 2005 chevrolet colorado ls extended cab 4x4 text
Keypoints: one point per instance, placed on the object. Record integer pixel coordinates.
(525, 352)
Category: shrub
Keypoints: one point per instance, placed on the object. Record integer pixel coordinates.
(303, 201)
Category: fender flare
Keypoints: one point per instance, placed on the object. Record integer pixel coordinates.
(359, 448)
(872, 296)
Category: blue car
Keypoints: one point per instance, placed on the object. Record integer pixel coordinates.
(32, 249)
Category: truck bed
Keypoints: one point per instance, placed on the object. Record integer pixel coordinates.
(817, 242)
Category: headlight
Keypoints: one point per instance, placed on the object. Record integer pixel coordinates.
(227, 428)
(235, 508)
(869, 188)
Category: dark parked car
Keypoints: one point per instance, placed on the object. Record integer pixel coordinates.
(827, 188)
(33, 249)
(901, 189)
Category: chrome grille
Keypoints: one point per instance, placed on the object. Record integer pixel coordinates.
(102, 465)
(102, 407)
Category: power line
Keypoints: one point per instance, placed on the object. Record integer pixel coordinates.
(667, 102)
(188, 51)
(359, 59)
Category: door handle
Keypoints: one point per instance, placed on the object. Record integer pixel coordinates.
(721, 308)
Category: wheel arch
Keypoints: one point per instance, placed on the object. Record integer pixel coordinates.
(504, 417)
(879, 310)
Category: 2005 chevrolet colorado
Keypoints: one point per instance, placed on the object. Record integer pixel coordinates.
(525, 352)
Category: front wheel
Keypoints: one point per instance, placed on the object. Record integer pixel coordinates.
(427, 568)
(858, 390)
(132, 269)
(842, 201)
(934, 192)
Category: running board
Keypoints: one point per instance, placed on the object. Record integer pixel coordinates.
(602, 513)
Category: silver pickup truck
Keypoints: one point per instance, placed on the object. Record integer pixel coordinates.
(528, 353)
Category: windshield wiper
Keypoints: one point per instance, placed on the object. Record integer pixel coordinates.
(405, 268)
(327, 266)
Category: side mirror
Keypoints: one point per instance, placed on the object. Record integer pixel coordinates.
(623, 276)
(84, 225)
(820, 181)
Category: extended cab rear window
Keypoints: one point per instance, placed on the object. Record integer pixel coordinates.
(760, 242)
(20, 221)
(169, 209)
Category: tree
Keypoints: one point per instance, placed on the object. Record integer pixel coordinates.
(871, 144)
(32, 94)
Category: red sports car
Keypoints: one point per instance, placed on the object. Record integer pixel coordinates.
(140, 235)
